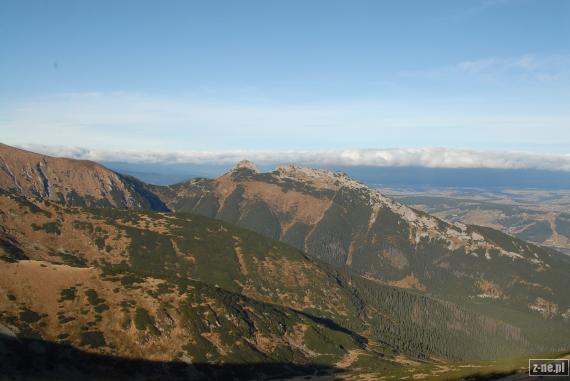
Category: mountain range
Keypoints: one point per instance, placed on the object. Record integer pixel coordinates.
(343, 222)
(297, 271)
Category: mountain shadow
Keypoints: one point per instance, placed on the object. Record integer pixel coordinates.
(335, 327)
(38, 360)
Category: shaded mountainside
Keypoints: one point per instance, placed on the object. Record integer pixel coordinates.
(343, 222)
(34, 360)
(73, 182)
(185, 288)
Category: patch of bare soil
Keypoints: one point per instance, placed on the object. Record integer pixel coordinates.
(409, 281)
(545, 307)
(267, 344)
(490, 289)
(405, 360)
(350, 358)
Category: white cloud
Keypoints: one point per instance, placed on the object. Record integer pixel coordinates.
(421, 157)
(528, 63)
(513, 70)
(478, 66)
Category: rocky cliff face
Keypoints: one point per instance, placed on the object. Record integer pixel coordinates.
(343, 222)
(73, 182)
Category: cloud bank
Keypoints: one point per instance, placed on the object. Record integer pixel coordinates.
(397, 157)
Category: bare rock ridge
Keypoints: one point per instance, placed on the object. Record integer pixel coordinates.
(246, 164)
(73, 182)
(318, 177)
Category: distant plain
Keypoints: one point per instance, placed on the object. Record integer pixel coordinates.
(535, 215)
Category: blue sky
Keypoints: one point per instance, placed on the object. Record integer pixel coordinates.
(286, 75)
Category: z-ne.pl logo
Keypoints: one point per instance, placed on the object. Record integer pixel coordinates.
(548, 367)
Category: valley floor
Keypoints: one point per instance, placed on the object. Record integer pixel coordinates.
(506, 370)
(539, 216)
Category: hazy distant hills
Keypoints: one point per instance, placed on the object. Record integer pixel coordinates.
(193, 280)
(397, 177)
(158, 174)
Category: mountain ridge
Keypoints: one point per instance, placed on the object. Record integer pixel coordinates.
(151, 280)
(73, 182)
(342, 221)
(358, 281)
(326, 214)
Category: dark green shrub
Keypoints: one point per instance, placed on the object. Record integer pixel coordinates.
(48, 227)
(101, 307)
(93, 297)
(83, 225)
(93, 339)
(144, 321)
(68, 294)
(29, 316)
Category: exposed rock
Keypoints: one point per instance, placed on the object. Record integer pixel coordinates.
(246, 164)
(73, 182)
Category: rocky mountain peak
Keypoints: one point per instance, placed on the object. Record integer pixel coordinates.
(322, 177)
(246, 164)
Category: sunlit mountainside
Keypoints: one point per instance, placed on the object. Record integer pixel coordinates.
(116, 272)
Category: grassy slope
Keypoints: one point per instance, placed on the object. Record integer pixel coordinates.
(164, 280)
